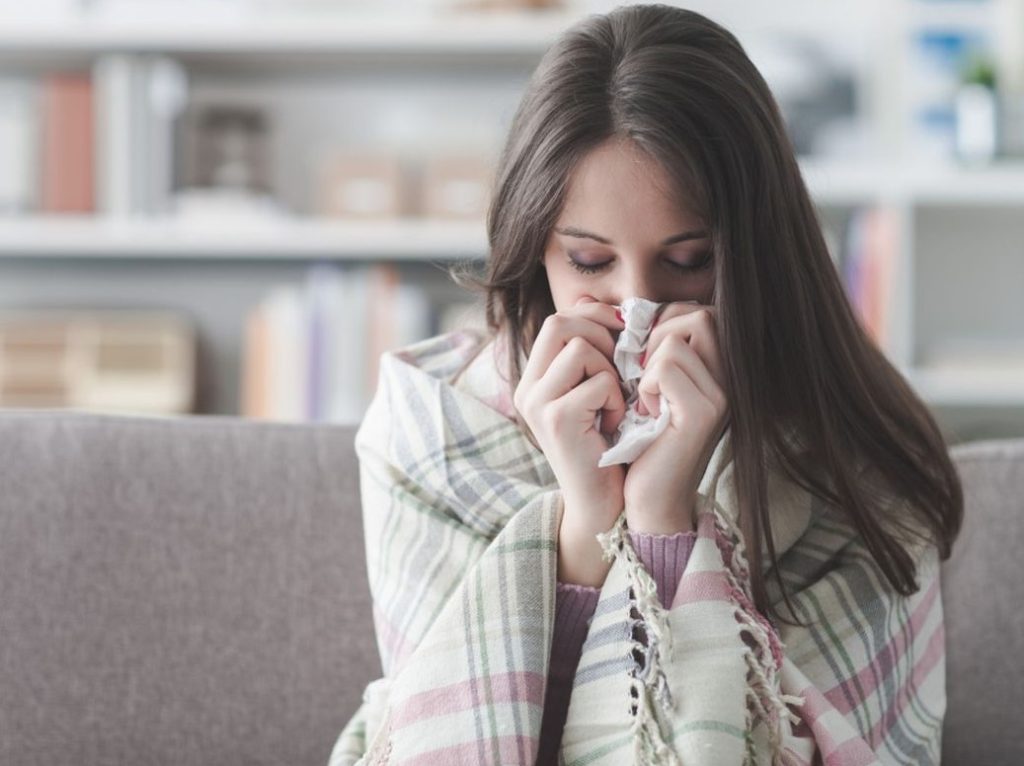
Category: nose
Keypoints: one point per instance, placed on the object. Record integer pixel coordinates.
(640, 282)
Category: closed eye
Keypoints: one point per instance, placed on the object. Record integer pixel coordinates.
(702, 262)
(592, 268)
(586, 268)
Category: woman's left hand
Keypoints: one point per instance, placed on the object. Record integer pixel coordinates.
(682, 362)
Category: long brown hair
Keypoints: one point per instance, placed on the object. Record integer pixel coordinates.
(796, 359)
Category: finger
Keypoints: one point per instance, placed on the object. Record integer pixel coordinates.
(677, 352)
(605, 313)
(696, 325)
(576, 362)
(664, 313)
(681, 393)
(676, 308)
(585, 320)
(601, 393)
(672, 311)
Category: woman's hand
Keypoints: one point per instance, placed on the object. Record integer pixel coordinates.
(570, 378)
(682, 362)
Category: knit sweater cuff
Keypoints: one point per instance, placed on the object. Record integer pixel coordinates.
(574, 606)
(665, 557)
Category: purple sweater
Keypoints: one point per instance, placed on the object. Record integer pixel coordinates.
(665, 557)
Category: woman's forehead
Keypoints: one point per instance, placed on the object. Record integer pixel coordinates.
(618, 187)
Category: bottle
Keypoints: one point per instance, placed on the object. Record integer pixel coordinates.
(977, 113)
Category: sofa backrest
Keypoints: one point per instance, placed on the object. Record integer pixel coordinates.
(186, 591)
(193, 591)
(983, 599)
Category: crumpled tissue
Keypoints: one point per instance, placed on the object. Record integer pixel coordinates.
(636, 432)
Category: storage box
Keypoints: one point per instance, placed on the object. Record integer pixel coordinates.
(456, 186)
(114, 361)
(364, 186)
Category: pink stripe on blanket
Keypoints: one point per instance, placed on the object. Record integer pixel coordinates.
(851, 752)
(701, 586)
(511, 749)
(863, 683)
(935, 650)
(856, 751)
(503, 687)
(394, 644)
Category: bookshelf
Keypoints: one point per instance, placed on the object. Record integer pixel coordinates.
(953, 323)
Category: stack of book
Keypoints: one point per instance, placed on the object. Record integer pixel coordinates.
(98, 140)
(312, 351)
(140, 362)
(47, 144)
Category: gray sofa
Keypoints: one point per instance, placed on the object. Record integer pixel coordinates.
(193, 591)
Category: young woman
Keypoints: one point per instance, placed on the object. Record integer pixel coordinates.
(761, 584)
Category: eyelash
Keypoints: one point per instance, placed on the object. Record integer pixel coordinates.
(689, 268)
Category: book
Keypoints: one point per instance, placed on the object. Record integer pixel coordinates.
(352, 328)
(286, 369)
(139, 100)
(312, 351)
(255, 394)
(115, 151)
(18, 146)
(68, 151)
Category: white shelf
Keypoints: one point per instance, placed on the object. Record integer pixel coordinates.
(845, 183)
(969, 388)
(86, 237)
(999, 184)
(483, 34)
(949, 14)
(412, 239)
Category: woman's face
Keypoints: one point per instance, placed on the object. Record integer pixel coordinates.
(622, 233)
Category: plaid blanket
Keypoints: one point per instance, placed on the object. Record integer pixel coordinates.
(461, 515)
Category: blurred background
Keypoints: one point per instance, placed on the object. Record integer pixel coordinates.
(234, 206)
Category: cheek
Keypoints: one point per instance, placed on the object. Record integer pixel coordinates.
(708, 288)
(565, 290)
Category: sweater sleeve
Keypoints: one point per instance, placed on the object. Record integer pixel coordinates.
(574, 606)
(665, 557)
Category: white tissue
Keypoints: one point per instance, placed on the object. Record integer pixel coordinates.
(636, 432)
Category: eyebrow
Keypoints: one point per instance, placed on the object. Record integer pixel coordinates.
(572, 231)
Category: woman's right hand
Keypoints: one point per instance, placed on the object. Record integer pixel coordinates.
(570, 378)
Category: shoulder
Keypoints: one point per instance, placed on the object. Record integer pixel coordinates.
(467, 361)
(440, 356)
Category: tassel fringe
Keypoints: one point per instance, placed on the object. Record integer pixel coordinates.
(765, 701)
(649, 686)
(764, 653)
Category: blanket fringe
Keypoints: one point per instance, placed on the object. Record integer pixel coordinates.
(649, 686)
(765, 699)
(763, 656)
